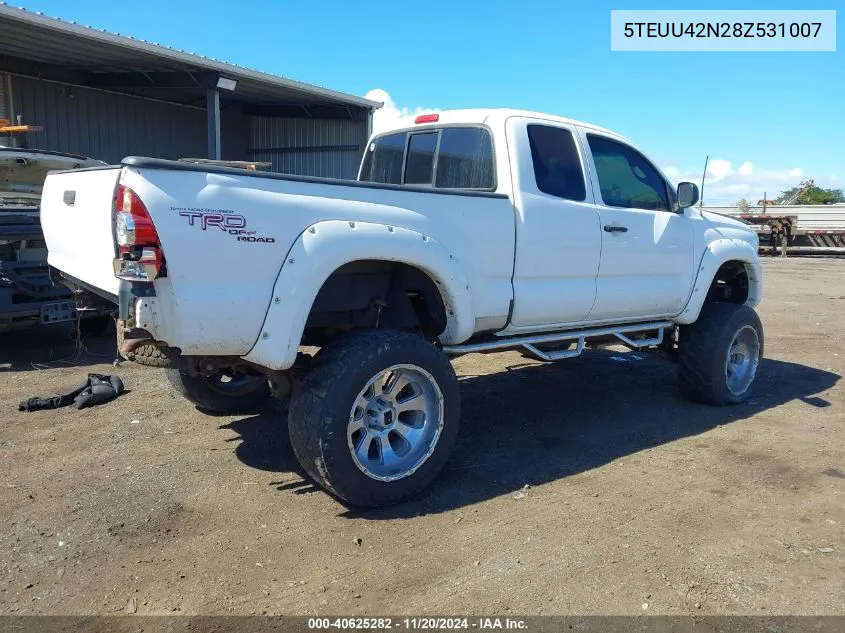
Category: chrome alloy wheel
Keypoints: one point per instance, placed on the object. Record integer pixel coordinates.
(395, 422)
(742, 361)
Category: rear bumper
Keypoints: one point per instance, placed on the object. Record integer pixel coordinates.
(124, 300)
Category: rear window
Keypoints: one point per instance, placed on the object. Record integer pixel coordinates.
(383, 160)
(419, 166)
(447, 158)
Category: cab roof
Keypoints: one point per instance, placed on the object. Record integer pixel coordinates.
(489, 116)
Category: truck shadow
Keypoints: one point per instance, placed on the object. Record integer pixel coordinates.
(533, 424)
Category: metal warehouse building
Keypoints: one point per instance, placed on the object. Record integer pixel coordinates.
(108, 96)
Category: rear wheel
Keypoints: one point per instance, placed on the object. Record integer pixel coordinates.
(375, 418)
(719, 354)
(221, 392)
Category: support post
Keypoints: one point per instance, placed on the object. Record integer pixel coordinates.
(212, 101)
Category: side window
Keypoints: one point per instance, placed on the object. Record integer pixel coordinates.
(419, 166)
(557, 167)
(626, 178)
(383, 160)
(465, 159)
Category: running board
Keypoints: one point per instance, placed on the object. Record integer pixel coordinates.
(529, 343)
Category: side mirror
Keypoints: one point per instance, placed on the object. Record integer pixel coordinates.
(687, 194)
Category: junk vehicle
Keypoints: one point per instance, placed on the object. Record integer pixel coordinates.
(27, 292)
(467, 231)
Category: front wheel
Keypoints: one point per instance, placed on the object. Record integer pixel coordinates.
(719, 354)
(221, 393)
(375, 418)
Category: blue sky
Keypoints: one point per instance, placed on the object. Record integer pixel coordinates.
(767, 120)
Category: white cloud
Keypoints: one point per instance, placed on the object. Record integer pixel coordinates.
(719, 168)
(671, 171)
(389, 113)
(726, 185)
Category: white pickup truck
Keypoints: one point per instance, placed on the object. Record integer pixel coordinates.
(467, 231)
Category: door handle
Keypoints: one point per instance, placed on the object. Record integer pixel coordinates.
(612, 228)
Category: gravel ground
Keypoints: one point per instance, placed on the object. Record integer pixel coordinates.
(584, 487)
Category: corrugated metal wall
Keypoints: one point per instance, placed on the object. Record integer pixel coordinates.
(4, 105)
(110, 126)
(104, 125)
(309, 147)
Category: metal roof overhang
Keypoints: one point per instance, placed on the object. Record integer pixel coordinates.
(35, 45)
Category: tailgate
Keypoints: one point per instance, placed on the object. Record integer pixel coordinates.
(76, 216)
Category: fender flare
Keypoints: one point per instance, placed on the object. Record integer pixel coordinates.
(719, 252)
(326, 246)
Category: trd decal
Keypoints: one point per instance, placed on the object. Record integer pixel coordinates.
(226, 221)
(222, 222)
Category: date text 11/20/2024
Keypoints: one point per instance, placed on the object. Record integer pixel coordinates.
(423, 623)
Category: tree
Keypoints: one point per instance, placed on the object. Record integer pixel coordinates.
(742, 204)
(813, 195)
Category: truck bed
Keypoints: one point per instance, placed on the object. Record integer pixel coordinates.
(226, 234)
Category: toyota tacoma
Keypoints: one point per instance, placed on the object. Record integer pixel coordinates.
(466, 231)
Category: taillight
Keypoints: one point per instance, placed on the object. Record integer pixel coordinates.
(427, 118)
(141, 257)
(133, 225)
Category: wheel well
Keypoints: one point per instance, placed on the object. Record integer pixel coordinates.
(730, 284)
(375, 294)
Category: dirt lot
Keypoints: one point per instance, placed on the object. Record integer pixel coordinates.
(636, 500)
